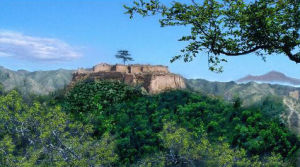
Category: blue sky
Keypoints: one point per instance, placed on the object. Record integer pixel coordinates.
(52, 34)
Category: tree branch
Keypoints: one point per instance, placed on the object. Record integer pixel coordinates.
(291, 56)
(240, 53)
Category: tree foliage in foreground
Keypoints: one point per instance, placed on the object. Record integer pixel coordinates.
(87, 99)
(40, 135)
(139, 125)
(230, 28)
(112, 124)
(183, 148)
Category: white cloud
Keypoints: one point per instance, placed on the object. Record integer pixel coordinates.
(21, 46)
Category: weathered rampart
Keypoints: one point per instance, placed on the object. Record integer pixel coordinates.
(132, 69)
(154, 79)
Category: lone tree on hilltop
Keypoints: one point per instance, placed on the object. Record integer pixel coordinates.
(230, 27)
(124, 55)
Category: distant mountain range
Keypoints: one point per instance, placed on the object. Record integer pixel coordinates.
(247, 88)
(38, 82)
(250, 92)
(44, 82)
(271, 77)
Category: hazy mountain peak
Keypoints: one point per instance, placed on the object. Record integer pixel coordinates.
(271, 77)
(275, 73)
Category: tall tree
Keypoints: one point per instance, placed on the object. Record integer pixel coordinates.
(230, 28)
(124, 55)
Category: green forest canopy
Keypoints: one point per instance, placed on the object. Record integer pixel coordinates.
(138, 123)
(116, 125)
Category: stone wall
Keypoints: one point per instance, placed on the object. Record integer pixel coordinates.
(134, 69)
(154, 79)
(121, 68)
(102, 68)
(159, 69)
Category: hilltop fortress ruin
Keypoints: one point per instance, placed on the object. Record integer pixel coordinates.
(154, 79)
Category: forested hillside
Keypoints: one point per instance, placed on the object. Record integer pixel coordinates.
(251, 92)
(45, 82)
(112, 124)
(37, 82)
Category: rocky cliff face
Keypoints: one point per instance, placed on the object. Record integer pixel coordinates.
(154, 79)
(293, 114)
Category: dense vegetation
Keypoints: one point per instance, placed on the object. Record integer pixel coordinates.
(40, 135)
(180, 127)
(112, 124)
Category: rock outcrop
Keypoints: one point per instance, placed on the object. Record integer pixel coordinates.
(154, 79)
(294, 94)
(293, 115)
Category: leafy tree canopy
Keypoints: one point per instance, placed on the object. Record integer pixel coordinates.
(39, 135)
(124, 55)
(231, 28)
(185, 149)
(146, 128)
